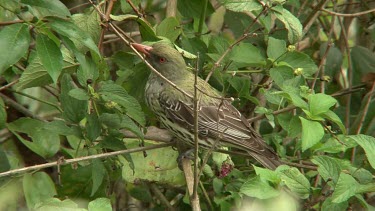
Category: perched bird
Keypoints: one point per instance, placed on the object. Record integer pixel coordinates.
(219, 123)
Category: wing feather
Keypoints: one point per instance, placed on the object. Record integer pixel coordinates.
(223, 122)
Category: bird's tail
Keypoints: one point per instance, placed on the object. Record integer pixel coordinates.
(271, 162)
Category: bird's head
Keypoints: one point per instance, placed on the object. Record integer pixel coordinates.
(164, 58)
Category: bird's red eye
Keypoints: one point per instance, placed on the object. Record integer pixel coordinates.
(162, 60)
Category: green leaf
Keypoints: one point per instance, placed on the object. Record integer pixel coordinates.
(44, 141)
(320, 103)
(291, 23)
(363, 61)
(246, 54)
(35, 75)
(281, 74)
(54, 6)
(100, 204)
(330, 115)
(368, 144)
(79, 94)
(290, 123)
(218, 185)
(296, 181)
(37, 187)
(312, 133)
(300, 60)
(50, 55)
(241, 6)
(116, 121)
(147, 32)
(57, 204)
(333, 146)
(87, 71)
(267, 175)
(275, 48)
(115, 93)
(73, 32)
(328, 205)
(345, 188)
(169, 28)
(256, 187)
(193, 8)
(73, 110)
(93, 127)
(159, 166)
(14, 43)
(334, 59)
(328, 168)
(3, 114)
(13, 6)
(89, 22)
(98, 172)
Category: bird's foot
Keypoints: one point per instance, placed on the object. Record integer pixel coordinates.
(189, 154)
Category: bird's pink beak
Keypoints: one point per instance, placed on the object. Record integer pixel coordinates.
(142, 48)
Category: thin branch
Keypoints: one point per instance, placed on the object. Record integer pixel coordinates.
(350, 74)
(5, 23)
(19, 107)
(75, 160)
(365, 109)
(229, 49)
(9, 85)
(171, 8)
(313, 16)
(135, 9)
(196, 139)
(78, 6)
(161, 196)
(348, 15)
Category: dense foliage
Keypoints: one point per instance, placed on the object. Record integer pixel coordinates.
(303, 73)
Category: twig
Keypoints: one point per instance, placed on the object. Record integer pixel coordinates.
(365, 109)
(229, 49)
(78, 6)
(19, 107)
(75, 160)
(5, 23)
(171, 8)
(313, 16)
(9, 85)
(196, 139)
(135, 9)
(350, 75)
(107, 17)
(206, 196)
(161, 196)
(289, 108)
(348, 15)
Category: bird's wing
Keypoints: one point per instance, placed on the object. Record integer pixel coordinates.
(220, 122)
